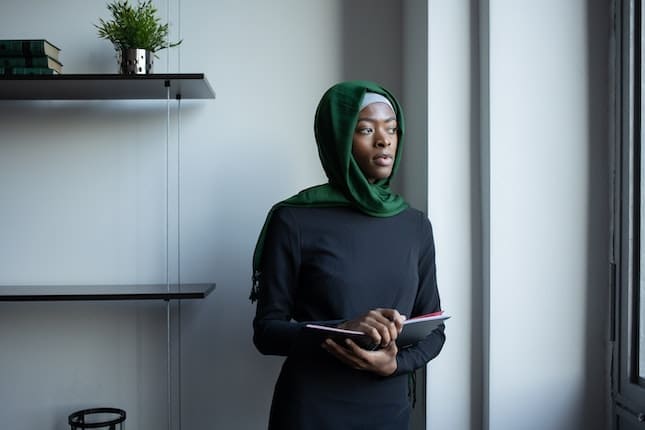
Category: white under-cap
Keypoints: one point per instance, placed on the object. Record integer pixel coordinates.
(370, 98)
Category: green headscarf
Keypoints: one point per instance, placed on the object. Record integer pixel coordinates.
(334, 125)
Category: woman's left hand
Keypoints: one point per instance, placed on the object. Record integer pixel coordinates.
(381, 361)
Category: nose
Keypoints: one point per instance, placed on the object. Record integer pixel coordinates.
(382, 140)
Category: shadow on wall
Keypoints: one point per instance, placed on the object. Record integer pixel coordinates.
(372, 49)
(598, 32)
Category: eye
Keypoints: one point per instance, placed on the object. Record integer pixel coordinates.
(365, 130)
(392, 130)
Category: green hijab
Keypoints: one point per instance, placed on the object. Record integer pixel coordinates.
(335, 121)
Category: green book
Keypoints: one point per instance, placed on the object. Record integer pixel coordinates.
(30, 71)
(28, 48)
(40, 61)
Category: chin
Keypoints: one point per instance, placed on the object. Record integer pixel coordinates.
(377, 178)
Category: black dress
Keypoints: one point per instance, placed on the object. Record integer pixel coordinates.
(327, 265)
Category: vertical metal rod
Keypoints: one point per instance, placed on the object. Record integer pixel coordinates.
(179, 346)
(169, 364)
(167, 37)
(179, 261)
(168, 334)
(179, 35)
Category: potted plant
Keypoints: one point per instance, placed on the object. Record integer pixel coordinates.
(136, 33)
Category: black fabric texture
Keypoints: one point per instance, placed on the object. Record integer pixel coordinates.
(327, 265)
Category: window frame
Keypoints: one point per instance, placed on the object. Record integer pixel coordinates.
(627, 387)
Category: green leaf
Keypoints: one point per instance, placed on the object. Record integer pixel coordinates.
(134, 27)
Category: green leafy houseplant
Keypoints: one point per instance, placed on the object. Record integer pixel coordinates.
(134, 27)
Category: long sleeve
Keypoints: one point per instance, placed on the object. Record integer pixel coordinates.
(427, 301)
(328, 265)
(274, 330)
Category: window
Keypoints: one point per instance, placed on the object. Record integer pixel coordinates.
(628, 248)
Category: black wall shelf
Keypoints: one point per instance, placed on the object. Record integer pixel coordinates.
(40, 293)
(105, 87)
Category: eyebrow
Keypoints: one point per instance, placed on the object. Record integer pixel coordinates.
(370, 119)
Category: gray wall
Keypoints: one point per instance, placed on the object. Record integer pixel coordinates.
(518, 193)
(516, 174)
(84, 201)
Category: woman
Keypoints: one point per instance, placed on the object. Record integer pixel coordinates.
(350, 254)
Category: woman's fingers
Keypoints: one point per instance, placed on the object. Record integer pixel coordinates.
(382, 325)
(378, 331)
(394, 316)
(388, 323)
(382, 361)
(344, 353)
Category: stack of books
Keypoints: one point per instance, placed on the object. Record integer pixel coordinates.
(29, 57)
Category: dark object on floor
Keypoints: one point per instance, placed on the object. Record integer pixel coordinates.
(96, 418)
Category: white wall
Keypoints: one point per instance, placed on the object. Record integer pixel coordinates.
(454, 399)
(84, 201)
(521, 231)
(553, 213)
(82, 187)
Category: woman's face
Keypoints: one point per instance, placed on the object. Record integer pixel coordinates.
(375, 141)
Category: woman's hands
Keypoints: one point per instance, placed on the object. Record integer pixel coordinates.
(383, 326)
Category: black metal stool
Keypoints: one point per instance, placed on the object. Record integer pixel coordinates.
(79, 419)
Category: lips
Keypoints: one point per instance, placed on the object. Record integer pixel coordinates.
(383, 160)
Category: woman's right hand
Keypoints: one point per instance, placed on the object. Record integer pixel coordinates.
(382, 325)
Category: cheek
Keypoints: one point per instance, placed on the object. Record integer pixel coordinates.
(395, 143)
(359, 146)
